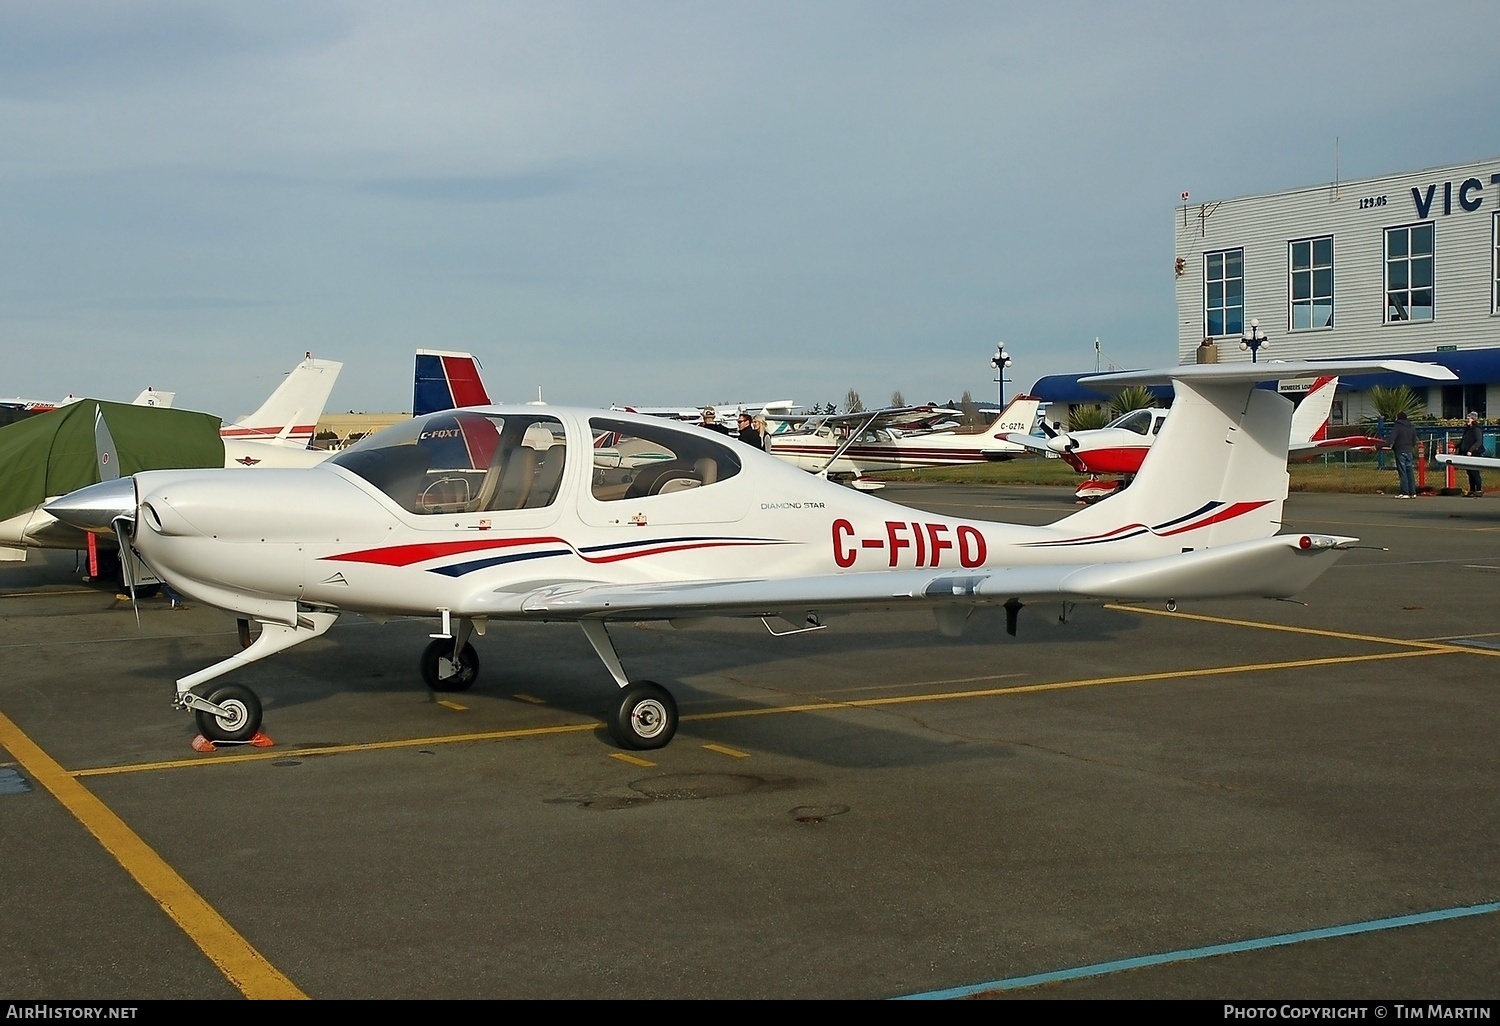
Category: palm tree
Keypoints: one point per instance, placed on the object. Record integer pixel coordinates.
(1136, 397)
(1388, 402)
(1087, 418)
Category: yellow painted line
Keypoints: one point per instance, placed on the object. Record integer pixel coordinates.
(240, 963)
(445, 703)
(731, 752)
(1375, 639)
(634, 760)
(530, 698)
(266, 755)
(1090, 682)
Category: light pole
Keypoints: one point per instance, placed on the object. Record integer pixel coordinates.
(1000, 361)
(1255, 341)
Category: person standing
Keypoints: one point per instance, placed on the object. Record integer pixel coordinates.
(1404, 446)
(1472, 444)
(710, 421)
(747, 432)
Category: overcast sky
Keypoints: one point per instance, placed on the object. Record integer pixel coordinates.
(666, 203)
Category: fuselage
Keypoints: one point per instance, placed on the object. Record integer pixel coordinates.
(459, 511)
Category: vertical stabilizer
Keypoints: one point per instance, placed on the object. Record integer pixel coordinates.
(1216, 473)
(446, 381)
(1020, 415)
(290, 416)
(1310, 419)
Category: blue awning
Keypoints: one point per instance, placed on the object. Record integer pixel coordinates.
(1472, 366)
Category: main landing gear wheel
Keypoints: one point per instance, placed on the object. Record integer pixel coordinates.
(645, 717)
(241, 718)
(460, 675)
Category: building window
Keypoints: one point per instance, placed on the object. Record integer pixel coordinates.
(1311, 284)
(1408, 273)
(1495, 264)
(1224, 293)
(1458, 400)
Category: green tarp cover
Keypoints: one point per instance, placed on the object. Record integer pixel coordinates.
(53, 453)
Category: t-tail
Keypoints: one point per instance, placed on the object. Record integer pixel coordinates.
(446, 381)
(290, 416)
(1217, 473)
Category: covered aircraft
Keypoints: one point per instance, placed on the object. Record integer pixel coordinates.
(54, 453)
(502, 513)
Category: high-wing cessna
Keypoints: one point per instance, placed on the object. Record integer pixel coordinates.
(850, 445)
(280, 433)
(1119, 447)
(503, 513)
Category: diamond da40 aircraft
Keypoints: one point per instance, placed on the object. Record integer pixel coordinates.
(503, 513)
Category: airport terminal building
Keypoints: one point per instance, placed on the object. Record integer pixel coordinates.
(1403, 266)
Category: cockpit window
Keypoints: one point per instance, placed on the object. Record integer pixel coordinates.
(463, 462)
(636, 460)
(1138, 421)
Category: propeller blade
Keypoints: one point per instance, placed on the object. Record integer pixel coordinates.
(123, 526)
(1048, 429)
(104, 448)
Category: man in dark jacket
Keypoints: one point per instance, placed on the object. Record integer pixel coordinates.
(1404, 445)
(1472, 444)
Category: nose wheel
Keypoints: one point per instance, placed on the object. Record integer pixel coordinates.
(236, 717)
(644, 718)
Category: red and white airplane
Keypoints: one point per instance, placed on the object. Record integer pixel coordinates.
(1120, 446)
(504, 513)
(280, 432)
(850, 445)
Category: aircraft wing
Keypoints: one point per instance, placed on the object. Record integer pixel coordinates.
(1270, 567)
(1035, 443)
(1361, 443)
(1477, 462)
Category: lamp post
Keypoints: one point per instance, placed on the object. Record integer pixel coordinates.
(1000, 361)
(1255, 340)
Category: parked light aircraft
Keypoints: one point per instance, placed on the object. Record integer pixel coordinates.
(724, 413)
(275, 435)
(502, 513)
(280, 432)
(850, 445)
(1119, 447)
(148, 397)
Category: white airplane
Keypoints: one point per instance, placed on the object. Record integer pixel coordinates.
(280, 433)
(148, 397)
(724, 413)
(276, 435)
(850, 445)
(1119, 446)
(502, 513)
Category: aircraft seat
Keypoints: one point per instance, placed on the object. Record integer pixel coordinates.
(548, 476)
(514, 480)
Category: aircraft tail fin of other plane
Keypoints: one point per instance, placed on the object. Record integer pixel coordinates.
(151, 397)
(1310, 418)
(1219, 463)
(290, 416)
(1020, 415)
(446, 381)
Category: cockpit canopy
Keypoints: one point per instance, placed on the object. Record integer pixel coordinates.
(468, 461)
(461, 461)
